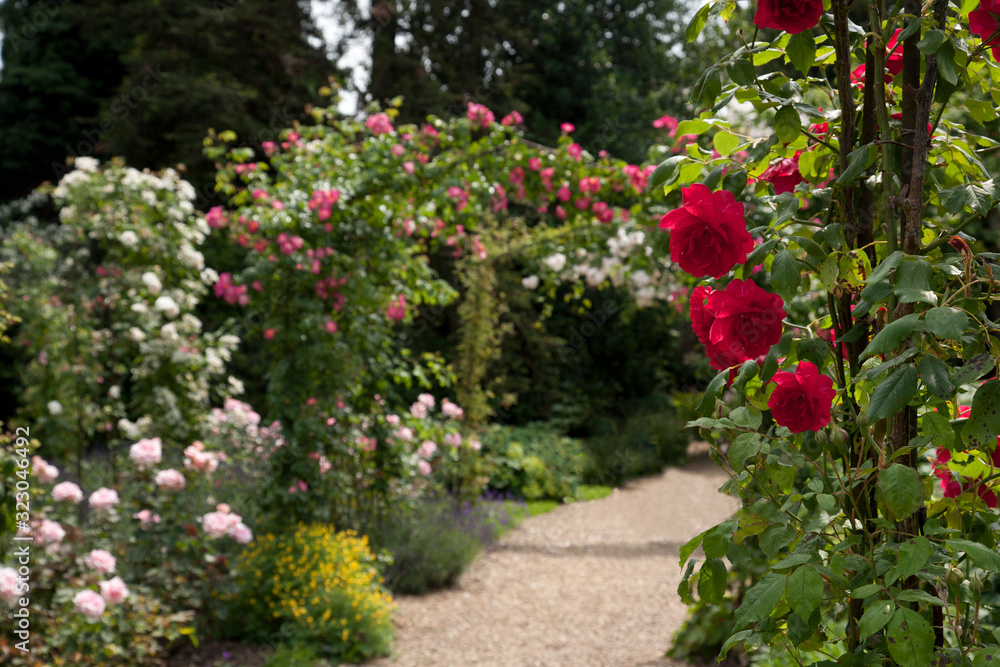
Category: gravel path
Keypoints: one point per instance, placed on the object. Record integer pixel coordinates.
(584, 585)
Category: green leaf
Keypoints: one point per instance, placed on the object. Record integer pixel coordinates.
(725, 142)
(743, 447)
(881, 272)
(875, 618)
(733, 640)
(983, 426)
(786, 273)
(948, 323)
(805, 591)
(829, 272)
(935, 375)
(876, 292)
(758, 254)
(690, 547)
(913, 555)
(735, 181)
(712, 392)
(775, 538)
(913, 282)
(910, 638)
(801, 52)
(931, 42)
(814, 350)
(748, 371)
(787, 207)
(902, 490)
(917, 595)
(855, 267)
(892, 336)
(946, 63)
(912, 28)
(974, 368)
(857, 161)
(868, 590)
(742, 73)
(746, 417)
(716, 540)
(939, 428)
(664, 171)
(697, 23)
(787, 124)
(760, 601)
(980, 554)
(712, 581)
(893, 393)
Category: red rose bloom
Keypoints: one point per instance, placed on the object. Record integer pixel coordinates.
(708, 234)
(735, 324)
(783, 175)
(792, 16)
(952, 483)
(802, 400)
(985, 22)
(893, 62)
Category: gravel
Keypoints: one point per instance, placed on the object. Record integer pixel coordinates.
(587, 584)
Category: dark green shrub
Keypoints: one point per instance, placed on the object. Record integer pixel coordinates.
(534, 462)
(651, 436)
(433, 542)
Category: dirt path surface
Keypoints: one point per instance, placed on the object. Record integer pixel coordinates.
(587, 584)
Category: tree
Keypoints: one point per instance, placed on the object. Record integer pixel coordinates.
(601, 65)
(146, 80)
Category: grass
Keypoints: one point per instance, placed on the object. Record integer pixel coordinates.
(520, 510)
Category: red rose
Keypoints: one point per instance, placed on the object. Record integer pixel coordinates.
(802, 400)
(792, 16)
(893, 62)
(783, 175)
(985, 21)
(735, 324)
(708, 234)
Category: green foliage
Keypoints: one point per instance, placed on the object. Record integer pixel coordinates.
(533, 462)
(649, 437)
(296, 655)
(325, 584)
(431, 543)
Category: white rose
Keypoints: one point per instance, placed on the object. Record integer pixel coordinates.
(531, 282)
(55, 407)
(167, 306)
(151, 282)
(129, 239)
(556, 262)
(136, 334)
(168, 332)
(86, 164)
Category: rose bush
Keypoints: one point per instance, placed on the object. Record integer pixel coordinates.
(853, 553)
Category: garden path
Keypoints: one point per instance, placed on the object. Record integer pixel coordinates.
(587, 584)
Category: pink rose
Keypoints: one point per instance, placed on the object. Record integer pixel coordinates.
(100, 560)
(67, 491)
(89, 603)
(147, 452)
(103, 499)
(9, 585)
(114, 590)
(423, 467)
(170, 480)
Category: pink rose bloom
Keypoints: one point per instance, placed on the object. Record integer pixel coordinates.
(147, 452)
(218, 524)
(475, 445)
(396, 309)
(534, 163)
(418, 410)
(405, 433)
(567, 127)
(575, 151)
(145, 516)
(423, 467)
(8, 584)
(427, 449)
(67, 491)
(196, 458)
(426, 399)
(379, 124)
(513, 118)
(89, 603)
(114, 590)
(100, 560)
(241, 533)
(453, 439)
(170, 480)
(43, 470)
(480, 115)
(451, 410)
(103, 499)
(392, 419)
